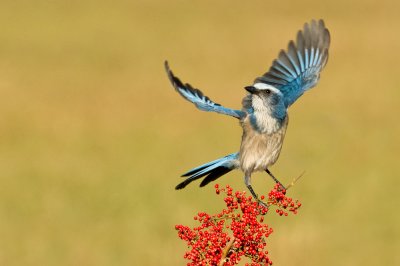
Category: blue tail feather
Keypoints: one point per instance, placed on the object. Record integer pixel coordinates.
(214, 175)
(213, 170)
(201, 167)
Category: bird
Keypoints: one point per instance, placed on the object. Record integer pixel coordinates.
(264, 113)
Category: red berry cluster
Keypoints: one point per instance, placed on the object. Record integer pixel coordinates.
(237, 231)
(277, 197)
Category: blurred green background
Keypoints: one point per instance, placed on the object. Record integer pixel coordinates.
(93, 137)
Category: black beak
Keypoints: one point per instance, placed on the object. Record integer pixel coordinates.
(251, 89)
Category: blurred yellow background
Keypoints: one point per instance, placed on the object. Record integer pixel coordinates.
(93, 137)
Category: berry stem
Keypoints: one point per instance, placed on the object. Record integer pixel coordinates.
(226, 251)
(294, 181)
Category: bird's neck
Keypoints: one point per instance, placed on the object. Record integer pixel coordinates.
(265, 123)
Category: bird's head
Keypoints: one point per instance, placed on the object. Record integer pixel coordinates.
(266, 98)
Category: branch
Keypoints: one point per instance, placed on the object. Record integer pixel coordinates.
(226, 251)
(294, 181)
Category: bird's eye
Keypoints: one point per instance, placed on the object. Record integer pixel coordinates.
(267, 91)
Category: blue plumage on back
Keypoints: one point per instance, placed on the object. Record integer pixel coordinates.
(298, 69)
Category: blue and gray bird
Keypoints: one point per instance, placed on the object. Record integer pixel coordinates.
(264, 115)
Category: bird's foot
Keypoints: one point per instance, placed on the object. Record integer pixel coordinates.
(262, 203)
(255, 196)
(281, 187)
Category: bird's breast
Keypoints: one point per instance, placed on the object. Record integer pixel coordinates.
(259, 150)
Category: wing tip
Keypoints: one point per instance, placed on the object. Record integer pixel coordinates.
(169, 72)
(181, 185)
(176, 82)
(166, 66)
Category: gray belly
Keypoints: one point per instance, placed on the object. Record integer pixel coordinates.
(259, 151)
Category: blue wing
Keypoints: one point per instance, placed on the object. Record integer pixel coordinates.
(298, 69)
(198, 98)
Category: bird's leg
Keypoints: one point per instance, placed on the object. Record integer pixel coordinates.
(250, 188)
(274, 178)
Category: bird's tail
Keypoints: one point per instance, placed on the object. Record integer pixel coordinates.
(213, 170)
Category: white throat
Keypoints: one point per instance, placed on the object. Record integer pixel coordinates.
(266, 123)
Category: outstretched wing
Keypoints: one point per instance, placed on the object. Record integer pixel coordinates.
(198, 98)
(297, 69)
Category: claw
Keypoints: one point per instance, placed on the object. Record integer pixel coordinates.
(260, 202)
